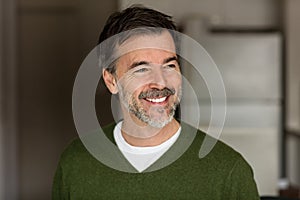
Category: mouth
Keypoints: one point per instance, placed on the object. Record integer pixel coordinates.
(159, 100)
(156, 97)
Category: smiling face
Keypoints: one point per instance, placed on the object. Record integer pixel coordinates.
(150, 88)
(149, 80)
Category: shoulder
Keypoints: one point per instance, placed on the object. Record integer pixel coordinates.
(76, 150)
(211, 150)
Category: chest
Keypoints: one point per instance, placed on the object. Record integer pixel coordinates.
(172, 182)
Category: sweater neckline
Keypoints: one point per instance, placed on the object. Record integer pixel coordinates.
(183, 142)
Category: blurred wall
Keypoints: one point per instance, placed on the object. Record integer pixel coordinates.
(291, 22)
(237, 13)
(54, 36)
(8, 104)
(1, 117)
(292, 17)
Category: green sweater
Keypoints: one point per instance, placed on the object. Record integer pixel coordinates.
(222, 174)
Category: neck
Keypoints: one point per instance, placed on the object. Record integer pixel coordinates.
(144, 135)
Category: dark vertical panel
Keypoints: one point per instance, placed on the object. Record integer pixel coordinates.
(53, 43)
(8, 102)
(48, 63)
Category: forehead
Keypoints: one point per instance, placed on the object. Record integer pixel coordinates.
(160, 41)
(151, 48)
(151, 56)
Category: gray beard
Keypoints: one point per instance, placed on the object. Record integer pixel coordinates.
(142, 115)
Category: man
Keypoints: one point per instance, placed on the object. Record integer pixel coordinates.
(161, 153)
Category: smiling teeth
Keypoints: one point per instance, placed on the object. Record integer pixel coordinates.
(157, 100)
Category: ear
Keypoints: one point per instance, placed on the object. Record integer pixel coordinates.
(110, 81)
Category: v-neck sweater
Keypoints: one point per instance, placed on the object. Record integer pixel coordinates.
(178, 174)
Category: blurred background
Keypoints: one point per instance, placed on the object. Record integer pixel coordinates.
(255, 44)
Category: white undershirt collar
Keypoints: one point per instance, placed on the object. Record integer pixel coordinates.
(142, 157)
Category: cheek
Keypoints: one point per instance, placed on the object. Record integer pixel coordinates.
(131, 93)
(176, 82)
(133, 87)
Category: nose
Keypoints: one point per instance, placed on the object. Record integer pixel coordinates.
(159, 80)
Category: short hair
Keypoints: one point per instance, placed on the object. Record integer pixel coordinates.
(144, 20)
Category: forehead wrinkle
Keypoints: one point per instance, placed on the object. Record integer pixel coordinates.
(147, 55)
(163, 41)
(152, 56)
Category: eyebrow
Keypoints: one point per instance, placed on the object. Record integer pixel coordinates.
(135, 64)
(170, 59)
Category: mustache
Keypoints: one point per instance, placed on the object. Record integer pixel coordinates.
(155, 93)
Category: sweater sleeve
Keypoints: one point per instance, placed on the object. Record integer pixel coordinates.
(240, 183)
(59, 191)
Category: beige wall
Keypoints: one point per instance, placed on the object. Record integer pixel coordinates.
(291, 22)
(54, 37)
(292, 18)
(218, 12)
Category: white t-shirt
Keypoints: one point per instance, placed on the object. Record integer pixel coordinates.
(142, 157)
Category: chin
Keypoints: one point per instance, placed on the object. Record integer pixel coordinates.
(159, 121)
(159, 124)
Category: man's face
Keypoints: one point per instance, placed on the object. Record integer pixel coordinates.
(149, 80)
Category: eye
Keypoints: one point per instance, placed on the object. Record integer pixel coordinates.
(171, 66)
(141, 70)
